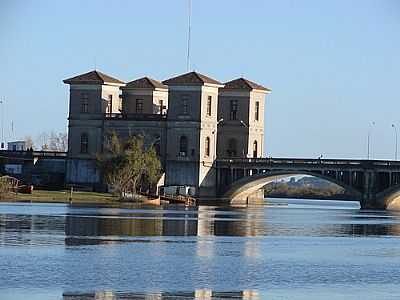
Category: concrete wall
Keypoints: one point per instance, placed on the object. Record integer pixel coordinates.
(94, 130)
(94, 94)
(233, 129)
(82, 172)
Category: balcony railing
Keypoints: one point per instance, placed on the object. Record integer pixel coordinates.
(135, 117)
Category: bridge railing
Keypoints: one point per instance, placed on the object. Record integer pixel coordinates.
(30, 154)
(311, 162)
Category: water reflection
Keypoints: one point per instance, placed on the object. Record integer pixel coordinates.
(201, 294)
(74, 226)
(207, 221)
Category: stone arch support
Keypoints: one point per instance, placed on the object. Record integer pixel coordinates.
(243, 188)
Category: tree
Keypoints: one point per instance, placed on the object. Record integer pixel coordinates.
(129, 165)
(29, 142)
(58, 142)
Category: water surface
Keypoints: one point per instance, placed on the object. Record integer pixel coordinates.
(294, 250)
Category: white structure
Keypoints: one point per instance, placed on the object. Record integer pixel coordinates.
(16, 146)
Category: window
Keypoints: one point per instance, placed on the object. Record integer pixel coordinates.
(183, 146)
(209, 103)
(257, 111)
(255, 149)
(161, 107)
(84, 103)
(234, 108)
(120, 108)
(84, 143)
(185, 105)
(232, 148)
(109, 105)
(207, 147)
(139, 106)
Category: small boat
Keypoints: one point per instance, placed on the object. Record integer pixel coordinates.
(154, 201)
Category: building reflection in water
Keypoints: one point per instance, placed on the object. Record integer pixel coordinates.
(201, 294)
(201, 221)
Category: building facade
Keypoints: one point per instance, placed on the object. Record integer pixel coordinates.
(190, 119)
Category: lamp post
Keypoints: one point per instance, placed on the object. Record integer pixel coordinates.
(215, 137)
(369, 138)
(2, 124)
(395, 136)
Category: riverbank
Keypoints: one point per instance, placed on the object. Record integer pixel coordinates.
(63, 196)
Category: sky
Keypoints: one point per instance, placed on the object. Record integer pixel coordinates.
(333, 66)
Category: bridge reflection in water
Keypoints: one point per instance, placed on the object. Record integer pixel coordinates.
(203, 294)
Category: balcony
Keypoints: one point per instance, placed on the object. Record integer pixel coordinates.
(135, 117)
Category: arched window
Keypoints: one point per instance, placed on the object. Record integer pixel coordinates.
(84, 143)
(183, 146)
(232, 148)
(207, 146)
(255, 152)
(157, 147)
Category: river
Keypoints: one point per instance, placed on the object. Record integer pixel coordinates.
(292, 249)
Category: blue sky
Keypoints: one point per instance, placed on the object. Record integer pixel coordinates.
(333, 67)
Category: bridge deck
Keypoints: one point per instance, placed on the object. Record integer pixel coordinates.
(299, 163)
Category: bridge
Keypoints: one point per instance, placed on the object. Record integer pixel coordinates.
(40, 168)
(374, 183)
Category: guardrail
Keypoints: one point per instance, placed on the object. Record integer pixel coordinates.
(44, 154)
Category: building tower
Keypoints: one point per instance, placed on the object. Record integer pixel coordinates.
(143, 113)
(191, 134)
(92, 96)
(241, 106)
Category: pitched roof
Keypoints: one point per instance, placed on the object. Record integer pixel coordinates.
(146, 83)
(92, 77)
(244, 84)
(191, 78)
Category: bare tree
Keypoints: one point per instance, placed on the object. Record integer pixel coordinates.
(29, 142)
(43, 141)
(58, 142)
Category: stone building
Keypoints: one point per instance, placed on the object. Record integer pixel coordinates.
(190, 119)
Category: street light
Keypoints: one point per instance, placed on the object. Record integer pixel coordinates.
(244, 124)
(395, 136)
(2, 125)
(369, 138)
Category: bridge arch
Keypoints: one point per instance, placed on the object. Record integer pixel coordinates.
(241, 189)
(389, 198)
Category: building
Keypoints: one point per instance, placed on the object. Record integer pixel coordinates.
(16, 146)
(190, 119)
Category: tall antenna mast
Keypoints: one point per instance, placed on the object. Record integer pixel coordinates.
(189, 33)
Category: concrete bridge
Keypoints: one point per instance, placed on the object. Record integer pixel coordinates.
(40, 168)
(375, 183)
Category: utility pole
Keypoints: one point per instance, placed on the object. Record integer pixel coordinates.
(395, 135)
(2, 124)
(189, 35)
(369, 138)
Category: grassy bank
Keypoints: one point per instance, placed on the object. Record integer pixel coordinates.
(61, 197)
